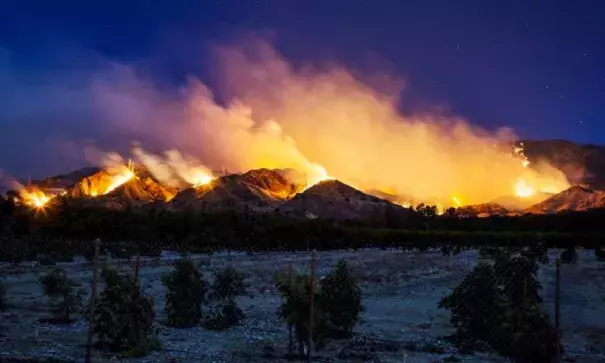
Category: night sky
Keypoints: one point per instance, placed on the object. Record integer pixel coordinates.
(535, 66)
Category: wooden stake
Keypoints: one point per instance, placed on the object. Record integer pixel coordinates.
(311, 306)
(290, 338)
(93, 298)
(558, 309)
(137, 266)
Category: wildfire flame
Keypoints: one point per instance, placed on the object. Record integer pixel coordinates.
(457, 202)
(34, 197)
(123, 173)
(523, 190)
(317, 175)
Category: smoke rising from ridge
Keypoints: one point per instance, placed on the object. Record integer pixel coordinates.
(306, 118)
(282, 117)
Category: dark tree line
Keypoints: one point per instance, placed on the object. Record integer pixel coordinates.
(66, 228)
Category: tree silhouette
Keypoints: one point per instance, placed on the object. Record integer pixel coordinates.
(185, 294)
(61, 291)
(123, 317)
(498, 306)
(340, 300)
(228, 283)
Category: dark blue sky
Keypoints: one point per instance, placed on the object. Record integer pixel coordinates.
(537, 66)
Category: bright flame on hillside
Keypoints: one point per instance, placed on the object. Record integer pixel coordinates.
(317, 174)
(523, 190)
(457, 202)
(116, 172)
(120, 173)
(34, 197)
(201, 178)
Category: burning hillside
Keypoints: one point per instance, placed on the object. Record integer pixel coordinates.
(261, 189)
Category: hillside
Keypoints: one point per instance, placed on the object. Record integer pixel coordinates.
(260, 189)
(576, 198)
(481, 210)
(332, 199)
(582, 164)
(140, 189)
(515, 203)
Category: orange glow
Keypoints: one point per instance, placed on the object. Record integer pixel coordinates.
(201, 178)
(123, 175)
(316, 174)
(34, 197)
(115, 173)
(457, 202)
(523, 190)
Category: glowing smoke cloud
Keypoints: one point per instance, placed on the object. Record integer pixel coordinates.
(317, 121)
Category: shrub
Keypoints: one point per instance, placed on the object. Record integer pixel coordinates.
(223, 315)
(123, 317)
(61, 291)
(295, 310)
(185, 294)
(497, 306)
(340, 300)
(228, 283)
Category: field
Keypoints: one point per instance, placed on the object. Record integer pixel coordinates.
(401, 322)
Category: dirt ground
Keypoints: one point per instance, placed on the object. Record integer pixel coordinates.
(401, 322)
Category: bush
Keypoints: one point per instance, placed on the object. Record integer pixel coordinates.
(228, 283)
(185, 294)
(223, 315)
(61, 291)
(295, 310)
(340, 300)
(123, 318)
(497, 306)
(3, 290)
(336, 310)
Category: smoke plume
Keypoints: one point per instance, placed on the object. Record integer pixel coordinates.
(315, 119)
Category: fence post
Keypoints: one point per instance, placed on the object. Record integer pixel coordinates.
(290, 339)
(93, 297)
(137, 266)
(311, 307)
(558, 308)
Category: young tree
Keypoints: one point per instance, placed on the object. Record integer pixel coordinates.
(296, 311)
(340, 300)
(228, 283)
(498, 306)
(64, 299)
(185, 294)
(123, 317)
